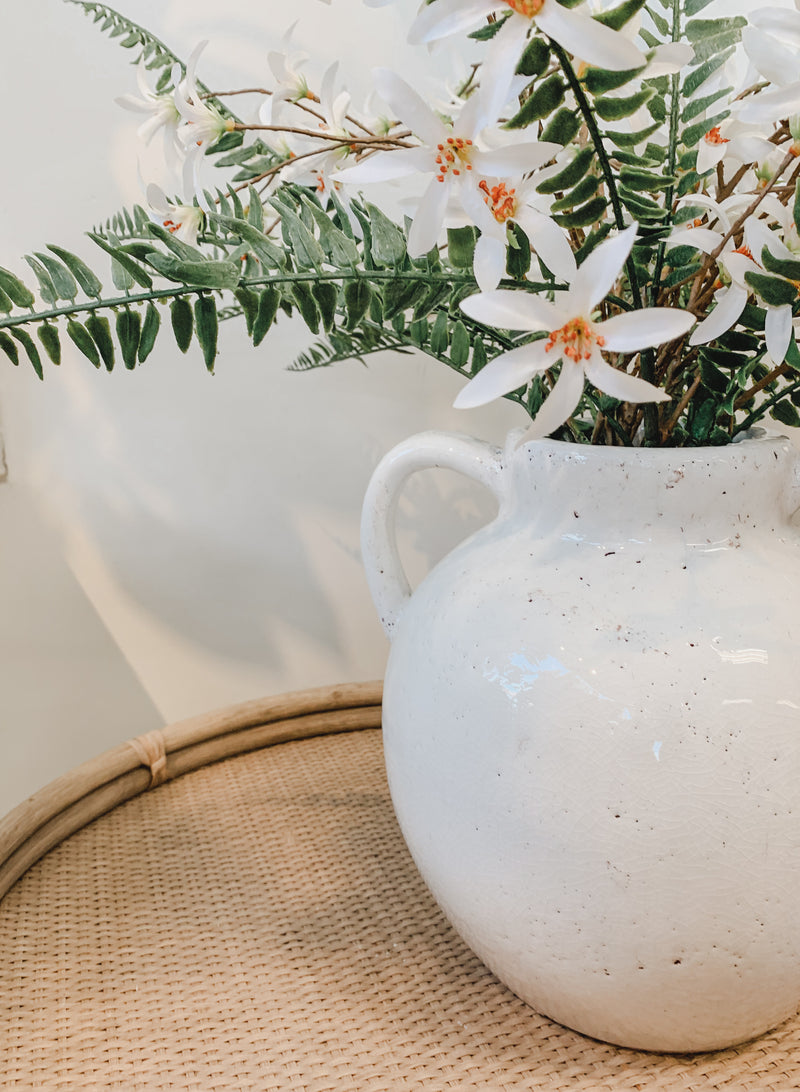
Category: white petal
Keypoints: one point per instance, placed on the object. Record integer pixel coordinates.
(156, 198)
(750, 149)
(642, 329)
(503, 374)
(709, 155)
(618, 384)
(778, 331)
(559, 404)
(549, 241)
(728, 307)
(429, 218)
(499, 64)
(449, 17)
(384, 165)
(702, 238)
(409, 106)
(473, 203)
(588, 40)
(668, 59)
(490, 262)
(598, 274)
(508, 310)
(771, 105)
(515, 159)
(770, 57)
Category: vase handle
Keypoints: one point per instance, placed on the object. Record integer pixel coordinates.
(387, 581)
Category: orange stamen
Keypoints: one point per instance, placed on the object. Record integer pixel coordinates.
(577, 338)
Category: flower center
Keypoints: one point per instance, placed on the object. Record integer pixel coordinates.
(453, 156)
(502, 202)
(713, 136)
(529, 8)
(744, 250)
(577, 338)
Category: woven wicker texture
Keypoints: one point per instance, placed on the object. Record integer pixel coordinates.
(258, 924)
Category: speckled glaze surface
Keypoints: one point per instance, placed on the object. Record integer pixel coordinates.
(592, 730)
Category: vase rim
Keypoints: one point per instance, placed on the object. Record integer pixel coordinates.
(748, 442)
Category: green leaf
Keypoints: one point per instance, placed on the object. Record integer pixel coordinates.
(47, 290)
(9, 348)
(128, 327)
(582, 192)
(89, 283)
(340, 247)
(17, 292)
(306, 305)
(615, 109)
(535, 58)
(357, 295)
(646, 180)
(624, 139)
(205, 274)
(83, 340)
(255, 210)
(773, 291)
(177, 246)
(570, 175)
(399, 295)
(479, 358)
(268, 303)
(304, 246)
(785, 267)
(698, 106)
(795, 207)
(206, 325)
(388, 242)
(617, 17)
(698, 76)
(600, 80)
(459, 344)
(226, 142)
(132, 268)
(439, 340)
(461, 246)
(563, 126)
(182, 322)
(267, 251)
(150, 327)
(326, 297)
(27, 343)
(785, 413)
(100, 329)
(248, 299)
(540, 103)
(48, 335)
(584, 216)
(5, 303)
(711, 376)
(699, 29)
(518, 254)
(488, 30)
(65, 284)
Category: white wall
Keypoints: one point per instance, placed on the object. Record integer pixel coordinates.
(211, 522)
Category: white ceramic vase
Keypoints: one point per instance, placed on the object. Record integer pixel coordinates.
(592, 729)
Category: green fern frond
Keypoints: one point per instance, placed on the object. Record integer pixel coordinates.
(152, 50)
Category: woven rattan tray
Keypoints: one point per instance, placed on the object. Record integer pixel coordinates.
(256, 923)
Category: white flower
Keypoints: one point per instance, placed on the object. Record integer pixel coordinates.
(452, 156)
(574, 30)
(183, 221)
(575, 338)
(205, 124)
(291, 84)
(731, 140)
(518, 202)
(162, 114)
(330, 155)
(734, 263)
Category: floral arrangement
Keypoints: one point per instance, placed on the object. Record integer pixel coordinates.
(606, 227)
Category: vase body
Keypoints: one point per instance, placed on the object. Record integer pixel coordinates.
(592, 730)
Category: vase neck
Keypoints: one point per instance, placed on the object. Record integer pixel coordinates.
(576, 489)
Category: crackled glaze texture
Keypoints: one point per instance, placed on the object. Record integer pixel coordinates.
(592, 730)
